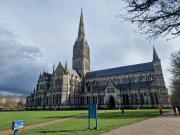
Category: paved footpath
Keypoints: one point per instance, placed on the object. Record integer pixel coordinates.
(165, 125)
(39, 125)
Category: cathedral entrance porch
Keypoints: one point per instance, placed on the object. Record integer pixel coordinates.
(112, 104)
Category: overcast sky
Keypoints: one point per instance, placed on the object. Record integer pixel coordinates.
(35, 34)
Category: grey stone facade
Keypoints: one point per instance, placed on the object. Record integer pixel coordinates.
(135, 86)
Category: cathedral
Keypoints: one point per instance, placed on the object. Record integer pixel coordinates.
(133, 86)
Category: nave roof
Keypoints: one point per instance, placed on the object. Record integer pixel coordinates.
(122, 70)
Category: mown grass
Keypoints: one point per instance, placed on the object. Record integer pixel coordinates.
(32, 117)
(107, 121)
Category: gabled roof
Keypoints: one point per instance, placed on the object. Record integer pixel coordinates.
(122, 70)
(59, 70)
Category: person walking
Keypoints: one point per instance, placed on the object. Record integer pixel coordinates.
(178, 109)
(122, 111)
(160, 109)
(174, 109)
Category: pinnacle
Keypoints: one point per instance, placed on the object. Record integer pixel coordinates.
(155, 55)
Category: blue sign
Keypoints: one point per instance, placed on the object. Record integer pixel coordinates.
(92, 114)
(18, 124)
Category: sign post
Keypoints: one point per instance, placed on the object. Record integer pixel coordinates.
(92, 114)
(17, 125)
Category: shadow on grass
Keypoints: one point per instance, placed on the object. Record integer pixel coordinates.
(59, 131)
(58, 117)
(118, 115)
(114, 115)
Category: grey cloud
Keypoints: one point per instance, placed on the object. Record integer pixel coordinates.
(19, 64)
(53, 26)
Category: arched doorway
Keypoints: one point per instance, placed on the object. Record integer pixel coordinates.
(111, 103)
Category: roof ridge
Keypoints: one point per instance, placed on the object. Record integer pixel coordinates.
(121, 66)
(122, 70)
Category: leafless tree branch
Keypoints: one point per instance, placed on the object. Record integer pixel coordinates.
(154, 17)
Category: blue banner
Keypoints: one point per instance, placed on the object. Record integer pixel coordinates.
(18, 124)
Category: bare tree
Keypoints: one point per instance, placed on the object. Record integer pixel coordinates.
(175, 81)
(154, 17)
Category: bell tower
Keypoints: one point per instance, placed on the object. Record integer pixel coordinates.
(81, 54)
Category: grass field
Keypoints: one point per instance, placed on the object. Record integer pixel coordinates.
(32, 117)
(107, 121)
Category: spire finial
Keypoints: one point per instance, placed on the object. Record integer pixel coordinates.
(81, 11)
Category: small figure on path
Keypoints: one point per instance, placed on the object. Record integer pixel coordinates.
(174, 109)
(178, 108)
(122, 111)
(160, 109)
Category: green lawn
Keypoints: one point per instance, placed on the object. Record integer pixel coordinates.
(107, 120)
(32, 117)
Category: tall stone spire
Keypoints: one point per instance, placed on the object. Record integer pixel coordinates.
(81, 32)
(155, 55)
(81, 53)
